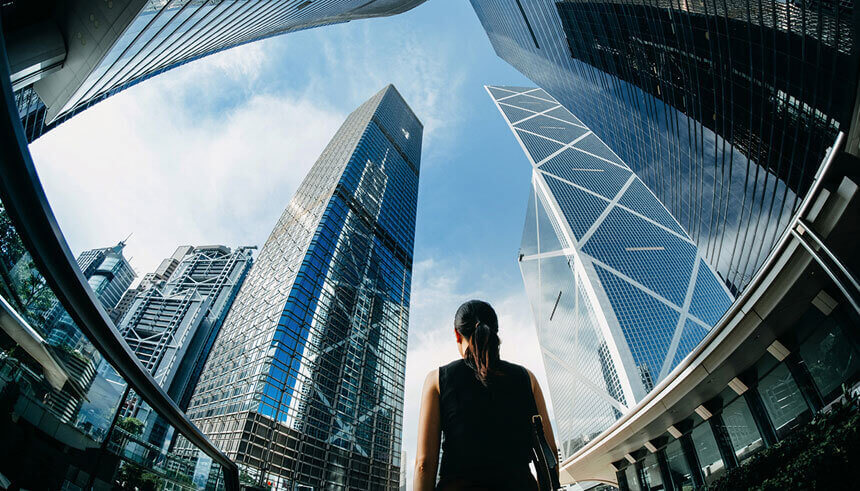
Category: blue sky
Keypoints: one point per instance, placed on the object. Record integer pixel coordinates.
(211, 152)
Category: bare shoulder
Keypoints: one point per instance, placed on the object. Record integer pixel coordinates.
(431, 382)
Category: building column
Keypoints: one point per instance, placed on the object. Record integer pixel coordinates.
(724, 444)
(759, 414)
(800, 373)
(692, 458)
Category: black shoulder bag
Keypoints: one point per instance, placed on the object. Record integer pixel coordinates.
(545, 462)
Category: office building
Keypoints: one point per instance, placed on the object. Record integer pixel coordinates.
(109, 274)
(620, 293)
(172, 325)
(724, 111)
(68, 55)
(304, 385)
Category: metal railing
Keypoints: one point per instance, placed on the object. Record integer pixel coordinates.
(28, 208)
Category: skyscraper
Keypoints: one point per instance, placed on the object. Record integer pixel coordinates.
(619, 291)
(304, 385)
(67, 56)
(172, 325)
(724, 110)
(109, 274)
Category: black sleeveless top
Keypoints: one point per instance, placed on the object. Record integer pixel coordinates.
(486, 437)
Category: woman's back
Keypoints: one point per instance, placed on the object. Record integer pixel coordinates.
(486, 433)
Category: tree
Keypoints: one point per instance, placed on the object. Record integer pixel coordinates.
(131, 425)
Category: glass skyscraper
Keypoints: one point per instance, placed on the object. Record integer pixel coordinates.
(110, 46)
(619, 291)
(304, 385)
(724, 109)
(109, 274)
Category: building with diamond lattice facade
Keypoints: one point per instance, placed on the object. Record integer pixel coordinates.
(619, 291)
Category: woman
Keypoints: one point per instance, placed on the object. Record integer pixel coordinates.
(483, 407)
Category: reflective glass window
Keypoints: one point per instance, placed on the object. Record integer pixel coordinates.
(742, 429)
(707, 452)
(830, 357)
(651, 473)
(782, 399)
(632, 478)
(681, 476)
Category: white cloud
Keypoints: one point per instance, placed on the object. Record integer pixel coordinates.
(424, 75)
(142, 163)
(437, 290)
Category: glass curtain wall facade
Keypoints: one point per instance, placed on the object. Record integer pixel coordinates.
(114, 45)
(724, 109)
(108, 274)
(304, 385)
(172, 325)
(619, 291)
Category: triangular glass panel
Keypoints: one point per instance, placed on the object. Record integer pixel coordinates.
(549, 240)
(647, 324)
(529, 244)
(538, 147)
(592, 144)
(589, 172)
(515, 88)
(639, 199)
(541, 94)
(531, 103)
(579, 208)
(710, 300)
(499, 93)
(691, 336)
(515, 114)
(552, 128)
(644, 252)
(564, 114)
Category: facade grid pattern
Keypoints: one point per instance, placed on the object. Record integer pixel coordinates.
(723, 109)
(611, 285)
(304, 385)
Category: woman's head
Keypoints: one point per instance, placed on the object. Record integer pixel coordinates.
(477, 330)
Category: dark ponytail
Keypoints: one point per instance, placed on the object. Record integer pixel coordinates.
(476, 321)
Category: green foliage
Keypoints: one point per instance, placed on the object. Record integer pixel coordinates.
(133, 476)
(131, 425)
(11, 248)
(821, 454)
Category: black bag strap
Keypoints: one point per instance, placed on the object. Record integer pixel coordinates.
(546, 464)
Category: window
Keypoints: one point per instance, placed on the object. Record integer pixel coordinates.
(708, 452)
(679, 470)
(742, 429)
(782, 400)
(831, 358)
